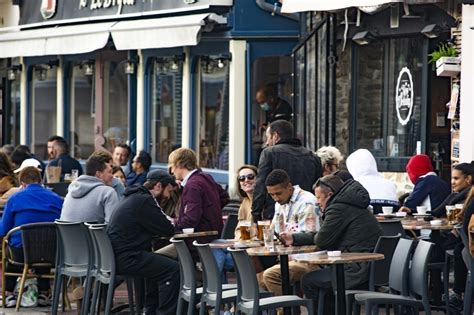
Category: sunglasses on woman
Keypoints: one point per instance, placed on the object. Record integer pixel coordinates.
(242, 178)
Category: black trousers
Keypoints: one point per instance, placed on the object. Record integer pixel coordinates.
(17, 253)
(162, 275)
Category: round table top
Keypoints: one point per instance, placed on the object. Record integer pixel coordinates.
(417, 224)
(344, 258)
(194, 234)
(223, 243)
(281, 250)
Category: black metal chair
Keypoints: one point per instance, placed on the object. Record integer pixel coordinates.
(418, 285)
(248, 298)
(392, 227)
(39, 250)
(229, 226)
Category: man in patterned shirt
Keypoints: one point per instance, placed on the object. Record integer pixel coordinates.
(295, 211)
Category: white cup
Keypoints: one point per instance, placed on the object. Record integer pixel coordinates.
(387, 210)
(188, 230)
(421, 209)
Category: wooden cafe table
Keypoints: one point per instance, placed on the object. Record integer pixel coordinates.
(283, 252)
(180, 236)
(337, 263)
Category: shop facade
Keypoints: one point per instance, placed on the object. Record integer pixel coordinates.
(152, 74)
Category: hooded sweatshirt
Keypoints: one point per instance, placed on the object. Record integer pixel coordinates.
(89, 200)
(363, 167)
(429, 190)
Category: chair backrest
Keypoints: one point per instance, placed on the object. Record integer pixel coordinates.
(418, 280)
(211, 275)
(59, 188)
(102, 242)
(229, 226)
(246, 276)
(392, 227)
(186, 265)
(39, 243)
(378, 269)
(398, 275)
(74, 244)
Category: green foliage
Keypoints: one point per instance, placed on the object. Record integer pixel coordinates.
(444, 50)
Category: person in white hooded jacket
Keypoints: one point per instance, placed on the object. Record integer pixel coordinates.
(363, 167)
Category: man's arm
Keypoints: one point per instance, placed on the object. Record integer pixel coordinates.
(7, 219)
(331, 230)
(155, 220)
(419, 193)
(260, 193)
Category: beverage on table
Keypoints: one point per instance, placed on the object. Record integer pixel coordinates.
(260, 226)
(245, 227)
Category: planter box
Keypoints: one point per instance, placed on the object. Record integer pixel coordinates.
(448, 66)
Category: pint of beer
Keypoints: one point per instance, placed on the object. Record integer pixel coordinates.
(451, 213)
(245, 230)
(261, 225)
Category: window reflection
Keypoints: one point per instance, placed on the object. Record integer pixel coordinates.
(214, 117)
(166, 103)
(83, 111)
(43, 107)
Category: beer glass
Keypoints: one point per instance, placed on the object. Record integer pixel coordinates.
(261, 225)
(245, 230)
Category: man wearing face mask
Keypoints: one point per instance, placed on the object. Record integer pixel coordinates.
(274, 107)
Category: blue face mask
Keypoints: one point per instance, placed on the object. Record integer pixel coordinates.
(265, 106)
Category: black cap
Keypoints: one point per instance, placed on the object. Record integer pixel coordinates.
(161, 176)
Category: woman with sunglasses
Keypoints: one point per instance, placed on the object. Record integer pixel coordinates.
(246, 180)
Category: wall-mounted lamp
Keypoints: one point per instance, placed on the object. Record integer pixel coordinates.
(13, 72)
(169, 64)
(130, 65)
(431, 30)
(363, 38)
(41, 72)
(88, 67)
(210, 63)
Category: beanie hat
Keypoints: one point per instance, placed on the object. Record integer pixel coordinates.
(417, 166)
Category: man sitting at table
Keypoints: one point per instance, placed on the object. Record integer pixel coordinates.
(90, 197)
(346, 225)
(134, 222)
(295, 211)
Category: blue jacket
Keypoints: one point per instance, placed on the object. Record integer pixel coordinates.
(31, 204)
(135, 179)
(432, 186)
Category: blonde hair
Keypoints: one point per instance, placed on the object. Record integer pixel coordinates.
(183, 157)
(329, 155)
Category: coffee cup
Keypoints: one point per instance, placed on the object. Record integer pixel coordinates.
(387, 210)
(421, 209)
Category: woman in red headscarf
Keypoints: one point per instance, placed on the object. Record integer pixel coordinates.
(429, 190)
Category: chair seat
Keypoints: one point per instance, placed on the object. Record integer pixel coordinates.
(386, 297)
(276, 301)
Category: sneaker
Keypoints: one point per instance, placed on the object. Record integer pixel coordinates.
(10, 301)
(455, 301)
(44, 300)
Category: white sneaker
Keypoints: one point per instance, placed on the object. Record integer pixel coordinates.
(44, 300)
(10, 301)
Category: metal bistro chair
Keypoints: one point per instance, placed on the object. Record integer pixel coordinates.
(106, 272)
(75, 259)
(467, 308)
(229, 226)
(39, 250)
(189, 291)
(248, 299)
(418, 285)
(392, 227)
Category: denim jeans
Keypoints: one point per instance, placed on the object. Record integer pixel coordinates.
(224, 262)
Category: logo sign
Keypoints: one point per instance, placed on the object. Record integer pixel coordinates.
(48, 8)
(404, 96)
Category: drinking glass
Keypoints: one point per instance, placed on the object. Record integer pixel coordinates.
(268, 238)
(245, 230)
(260, 226)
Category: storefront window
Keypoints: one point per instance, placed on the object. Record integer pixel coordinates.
(13, 120)
(214, 114)
(272, 88)
(83, 110)
(311, 94)
(299, 98)
(43, 96)
(115, 103)
(166, 100)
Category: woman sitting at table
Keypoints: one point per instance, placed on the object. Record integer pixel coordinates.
(429, 190)
(246, 180)
(462, 176)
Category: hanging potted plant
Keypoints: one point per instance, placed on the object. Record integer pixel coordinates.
(447, 60)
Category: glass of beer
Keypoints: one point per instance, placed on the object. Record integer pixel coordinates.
(261, 225)
(245, 230)
(450, 213)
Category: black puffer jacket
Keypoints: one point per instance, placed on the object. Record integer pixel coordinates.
(302, 165)
(347, 226)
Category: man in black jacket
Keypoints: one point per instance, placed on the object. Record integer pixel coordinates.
(134, 222)
(286, 153)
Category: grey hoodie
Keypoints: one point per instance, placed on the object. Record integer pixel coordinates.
(89, 200)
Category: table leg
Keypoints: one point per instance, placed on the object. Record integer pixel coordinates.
(285, 280)
(341, 289)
